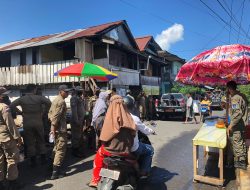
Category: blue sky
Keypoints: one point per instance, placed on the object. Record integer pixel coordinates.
(187, 26)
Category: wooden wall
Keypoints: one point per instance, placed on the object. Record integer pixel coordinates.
(36, 74)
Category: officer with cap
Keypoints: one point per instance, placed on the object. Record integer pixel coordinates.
(77, 119)
(10, 139)
(236, 128)
(57, 116)
(32, 111)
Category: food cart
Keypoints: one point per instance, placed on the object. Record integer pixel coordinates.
(215, 67)
(210, 136)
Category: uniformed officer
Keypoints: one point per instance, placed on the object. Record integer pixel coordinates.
(10, 139)
(76, 122)
(32, 112)
(57, 116)
(94, 98)
(236, 128)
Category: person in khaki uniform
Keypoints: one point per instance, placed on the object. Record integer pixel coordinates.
(57, 116)
(236, 128)
(9, 141)
(32, 111)
(77, 119)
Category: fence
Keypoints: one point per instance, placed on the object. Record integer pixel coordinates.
(36, 74)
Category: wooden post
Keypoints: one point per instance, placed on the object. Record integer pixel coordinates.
(195, 158)
(221, 164)
(227, 107)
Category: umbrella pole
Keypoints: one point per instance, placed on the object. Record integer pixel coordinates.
(227, 107)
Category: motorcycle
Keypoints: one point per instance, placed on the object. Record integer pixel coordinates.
(121, 173)
(204, 111)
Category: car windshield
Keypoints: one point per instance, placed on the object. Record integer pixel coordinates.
(176, 96)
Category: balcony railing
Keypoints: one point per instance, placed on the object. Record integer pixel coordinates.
(35, 74)
(153, 81)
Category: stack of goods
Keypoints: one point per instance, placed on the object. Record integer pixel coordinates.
(220, 123)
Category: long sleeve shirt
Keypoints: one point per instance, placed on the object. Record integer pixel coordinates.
(238, 111)
(8, 129)
(32, 109)
(57, 114)
(140, 127)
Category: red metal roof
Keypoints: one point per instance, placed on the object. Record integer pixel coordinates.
(53, 38)
(142, 42)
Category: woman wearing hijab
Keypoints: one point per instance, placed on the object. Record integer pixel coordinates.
(117, 135)
(99, 113)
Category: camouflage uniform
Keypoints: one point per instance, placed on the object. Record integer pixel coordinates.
(57, 116)
(238, 116)
(9, 153)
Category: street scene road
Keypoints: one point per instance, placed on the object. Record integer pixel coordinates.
(172, 164)
(81, 80)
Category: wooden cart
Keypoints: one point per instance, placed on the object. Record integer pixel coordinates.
(209, 136)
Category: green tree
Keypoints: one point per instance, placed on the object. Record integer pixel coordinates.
(177, 88)
(245, 89)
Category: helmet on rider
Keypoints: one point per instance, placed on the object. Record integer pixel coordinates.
(129, 102)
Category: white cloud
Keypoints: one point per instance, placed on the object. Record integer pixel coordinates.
(170, 36)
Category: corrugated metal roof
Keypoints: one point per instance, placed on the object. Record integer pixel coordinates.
(142, 42)
(59, 37)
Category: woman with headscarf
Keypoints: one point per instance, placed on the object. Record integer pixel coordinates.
(99, 112)
(117, 135)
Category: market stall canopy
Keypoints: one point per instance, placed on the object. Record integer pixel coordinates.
(217, 66)
(87, 70)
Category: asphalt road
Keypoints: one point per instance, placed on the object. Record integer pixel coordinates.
(172, 164)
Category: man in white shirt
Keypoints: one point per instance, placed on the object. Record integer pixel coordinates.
(189, 109)
(144, 152)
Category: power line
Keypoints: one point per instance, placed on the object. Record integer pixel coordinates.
(161, 18)
(194, 7)
(231, 11)
(247, 32)
(233, 18)
(241, 19)
(214, 38)
(218, 16)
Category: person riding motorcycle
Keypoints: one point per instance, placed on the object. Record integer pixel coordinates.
(117, 135)
(205, 107)
(144, 152)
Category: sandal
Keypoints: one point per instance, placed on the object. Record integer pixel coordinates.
(93, 184)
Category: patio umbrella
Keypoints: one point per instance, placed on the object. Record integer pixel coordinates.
(217, 66)
(87, 70)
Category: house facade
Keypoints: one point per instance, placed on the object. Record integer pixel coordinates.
(170, 71)
(151, 65)
(35, 60)
(112, 45)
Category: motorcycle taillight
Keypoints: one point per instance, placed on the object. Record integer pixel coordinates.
(156, 102)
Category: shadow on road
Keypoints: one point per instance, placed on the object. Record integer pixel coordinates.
(157, 180)
(176, 156)
(41, 173)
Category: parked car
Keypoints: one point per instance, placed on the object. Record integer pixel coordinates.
(172, 105)
(216, 100)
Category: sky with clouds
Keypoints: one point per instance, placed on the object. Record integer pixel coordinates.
(182, 27)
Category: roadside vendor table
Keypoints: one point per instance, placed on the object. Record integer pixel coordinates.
(209, 136)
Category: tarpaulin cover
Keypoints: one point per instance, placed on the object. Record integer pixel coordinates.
(211, 136)
(217, 66)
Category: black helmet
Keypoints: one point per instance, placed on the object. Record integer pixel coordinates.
(129, 102)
